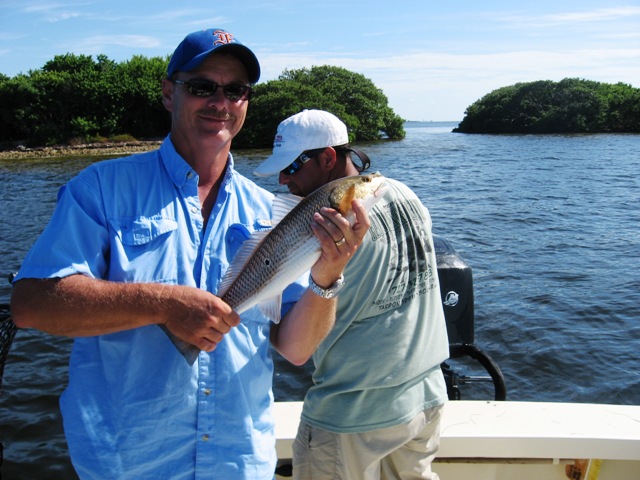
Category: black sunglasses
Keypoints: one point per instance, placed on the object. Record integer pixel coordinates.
(206, 88)
(296, 165)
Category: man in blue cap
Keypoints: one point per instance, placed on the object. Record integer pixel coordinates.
(143, 241)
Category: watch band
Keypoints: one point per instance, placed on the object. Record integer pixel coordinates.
(330, 292)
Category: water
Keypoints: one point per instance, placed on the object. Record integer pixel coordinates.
(549, 225)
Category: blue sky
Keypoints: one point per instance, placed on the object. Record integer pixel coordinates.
(432, 59)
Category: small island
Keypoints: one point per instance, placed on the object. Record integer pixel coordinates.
(82, 102)
(569, 106)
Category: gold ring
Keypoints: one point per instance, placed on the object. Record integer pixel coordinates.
(342, 241)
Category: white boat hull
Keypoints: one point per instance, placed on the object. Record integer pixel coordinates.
(524, 440)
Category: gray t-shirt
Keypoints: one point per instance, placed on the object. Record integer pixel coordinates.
(380, 364)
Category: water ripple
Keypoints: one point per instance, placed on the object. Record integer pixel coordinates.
(549, 225)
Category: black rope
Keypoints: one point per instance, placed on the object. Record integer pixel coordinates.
(7, 333)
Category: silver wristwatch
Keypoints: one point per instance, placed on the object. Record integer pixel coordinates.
(330, 292)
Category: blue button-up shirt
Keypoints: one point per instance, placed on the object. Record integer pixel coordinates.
(134, 408)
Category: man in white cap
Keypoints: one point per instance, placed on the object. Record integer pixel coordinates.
(143, 241)
(375, 406)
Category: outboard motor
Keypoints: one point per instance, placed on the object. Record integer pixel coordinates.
(456, 290)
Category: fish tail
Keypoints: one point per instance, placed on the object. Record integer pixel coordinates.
(188, 351)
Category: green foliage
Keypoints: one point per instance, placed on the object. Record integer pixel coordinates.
(143, 114)
(76, 98)
(350, 96)
(569, 106)
(16, 96)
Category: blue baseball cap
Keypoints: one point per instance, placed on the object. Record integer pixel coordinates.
(198, 45)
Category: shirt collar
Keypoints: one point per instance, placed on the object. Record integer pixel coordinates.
(180, 171)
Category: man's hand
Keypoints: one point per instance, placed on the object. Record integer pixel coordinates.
(339, 241)
(199, 318)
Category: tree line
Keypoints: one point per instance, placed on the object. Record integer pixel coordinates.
(79, 99)
(570, 106)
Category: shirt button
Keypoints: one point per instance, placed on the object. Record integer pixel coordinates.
(207, 391)
(194, 210)
(190, 175)
(205, 438)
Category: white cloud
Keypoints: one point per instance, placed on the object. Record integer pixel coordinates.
(440, 86)
(101, 42)
(54, 12)
(604, 14)
(570, 18)
(620, 35)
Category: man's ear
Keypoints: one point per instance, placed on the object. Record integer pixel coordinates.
(327, 159)
(167, 94)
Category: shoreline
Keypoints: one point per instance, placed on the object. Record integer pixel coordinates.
(90, 149)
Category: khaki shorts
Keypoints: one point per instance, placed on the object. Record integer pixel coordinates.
(399, 452)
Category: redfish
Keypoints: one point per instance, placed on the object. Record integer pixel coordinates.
(267, 263)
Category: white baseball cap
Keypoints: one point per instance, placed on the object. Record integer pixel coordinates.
(307, 130)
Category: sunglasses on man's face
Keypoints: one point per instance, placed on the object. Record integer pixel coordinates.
(206, 88)
(296, 165)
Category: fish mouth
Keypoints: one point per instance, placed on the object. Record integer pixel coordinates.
(381, 190)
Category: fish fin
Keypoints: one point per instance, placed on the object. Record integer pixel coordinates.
(283, 203)
(271, 308)
(240, 260)
(188, 351)
(347, 198)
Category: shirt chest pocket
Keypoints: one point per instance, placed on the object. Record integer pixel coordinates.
(144, 249)
(143, 230)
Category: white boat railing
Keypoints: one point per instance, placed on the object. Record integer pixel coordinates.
(523, 440)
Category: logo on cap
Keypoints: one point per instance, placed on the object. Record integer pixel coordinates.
(222, 37)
